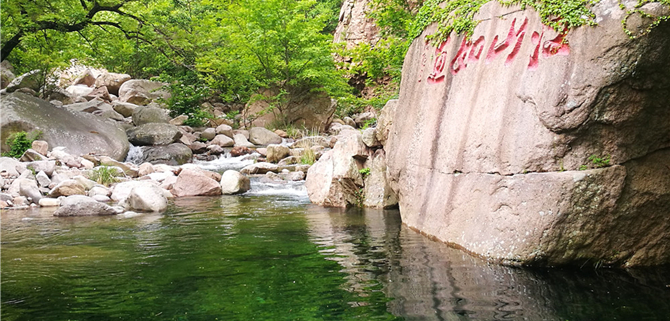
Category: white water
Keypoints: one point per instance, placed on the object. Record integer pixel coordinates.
(135, 155)
(259, 187)
(226, 162)
(283, 188)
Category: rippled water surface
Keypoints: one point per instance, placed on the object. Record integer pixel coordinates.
(265, 256)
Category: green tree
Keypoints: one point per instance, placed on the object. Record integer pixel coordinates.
(269, 44)
(23, 18)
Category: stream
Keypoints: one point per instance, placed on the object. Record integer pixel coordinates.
(271, 255)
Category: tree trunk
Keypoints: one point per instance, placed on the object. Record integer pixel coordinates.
(10, 45)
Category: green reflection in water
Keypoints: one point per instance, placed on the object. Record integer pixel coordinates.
(230, 259)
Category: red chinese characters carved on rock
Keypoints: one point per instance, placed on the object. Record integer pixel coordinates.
(469, 51)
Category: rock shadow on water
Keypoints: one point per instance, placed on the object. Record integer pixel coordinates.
(428, 280)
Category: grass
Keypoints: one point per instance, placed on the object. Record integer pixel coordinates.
(105, 175)
(308, 157)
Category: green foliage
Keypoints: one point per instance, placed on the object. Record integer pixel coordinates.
(368, 123)
(268, 44)
(20, 142)
(596, 162)
(458, 15)
(599, 161)
(637, 10)
(364, 172)
(105, 175)
(308, 157)
(186, 99)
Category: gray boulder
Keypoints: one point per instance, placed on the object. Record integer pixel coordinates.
(81, 133)
(28, 188)
(125, 109)
(141, 92)
(80, 205)
(6, 74)
(263, 136)
(276, 152)
(146, 198)
(232, 182)
(308, 142)
(173, 154)
(79, 90)
(32, 80)
(241, 141)
(68, 187)
(223, 141)
(148, 114)
(112, 81)
(95, 105)
(154, 134)
(9, 165)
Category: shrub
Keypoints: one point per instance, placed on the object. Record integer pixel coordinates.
(20, 142)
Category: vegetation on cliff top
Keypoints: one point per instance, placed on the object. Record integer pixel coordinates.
(231, 49)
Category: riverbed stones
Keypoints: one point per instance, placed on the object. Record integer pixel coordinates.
(191, 182)
(80, 205)
(240, 151)
(49, 202)
(43, 179)
(81, 133)
(493, 166)
(259, 168)
(173, 154)
(9, 165)
(263, 136)
(31, 155)
(232, 182)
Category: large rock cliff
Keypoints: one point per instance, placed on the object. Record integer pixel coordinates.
(531, 147)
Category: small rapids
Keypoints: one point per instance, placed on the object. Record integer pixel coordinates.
(227, 162)
(135, 155)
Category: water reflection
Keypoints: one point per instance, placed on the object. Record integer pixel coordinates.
(428, 280)
(278, 257)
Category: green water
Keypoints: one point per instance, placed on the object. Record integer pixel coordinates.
(281, 258)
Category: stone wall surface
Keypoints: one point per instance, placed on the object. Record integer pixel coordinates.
(490, 134)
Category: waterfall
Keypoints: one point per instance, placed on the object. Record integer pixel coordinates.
(135, 155)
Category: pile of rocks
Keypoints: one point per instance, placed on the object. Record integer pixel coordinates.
(57, 178)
